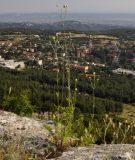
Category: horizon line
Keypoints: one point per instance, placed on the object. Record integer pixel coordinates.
(67, 13)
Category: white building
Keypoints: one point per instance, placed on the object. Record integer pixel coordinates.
(124, 71)
(40, 62)
(12, 64)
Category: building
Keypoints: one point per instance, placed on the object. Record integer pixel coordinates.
(132, 60)
(79, 68)
(12, 64)
(124, 71)
(97, 64)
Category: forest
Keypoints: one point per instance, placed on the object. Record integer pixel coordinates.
(42, 87)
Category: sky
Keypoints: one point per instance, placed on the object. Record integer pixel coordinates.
(94, 6)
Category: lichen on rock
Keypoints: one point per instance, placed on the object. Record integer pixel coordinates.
(101, 152)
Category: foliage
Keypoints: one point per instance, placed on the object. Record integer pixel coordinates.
(43, 87)
(20, 105)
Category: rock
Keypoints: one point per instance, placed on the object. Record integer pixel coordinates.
(22, 126)
(101, 152)
(35, 139)
(28, 132)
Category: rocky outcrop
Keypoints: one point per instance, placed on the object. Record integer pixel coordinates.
(27, 132)
(101, 152)
(22, 126)
(34, 138)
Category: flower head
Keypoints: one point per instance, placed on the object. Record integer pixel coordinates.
(65, 6)
(54, 38)
(120, 124)
(64, 54)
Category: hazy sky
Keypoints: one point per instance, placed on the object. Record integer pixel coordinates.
(122, 6)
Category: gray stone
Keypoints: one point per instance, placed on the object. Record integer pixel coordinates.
(100, 152)
(35, 139)
(29, 133)
(22, 126)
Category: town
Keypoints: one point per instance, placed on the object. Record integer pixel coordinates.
(21, 51)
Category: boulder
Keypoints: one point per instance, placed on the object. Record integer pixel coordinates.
(34, 138)
(21, 126)
(26, 132)
(101, 152)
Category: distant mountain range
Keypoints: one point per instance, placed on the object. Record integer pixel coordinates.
(75, 21)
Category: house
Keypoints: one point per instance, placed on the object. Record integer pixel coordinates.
(132, 60)
(79, 68)
(124, 71)
(40, 62)
(97, 64)
(89, 75)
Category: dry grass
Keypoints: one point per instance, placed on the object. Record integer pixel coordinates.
(128, 113)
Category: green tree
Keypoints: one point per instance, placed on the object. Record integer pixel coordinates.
(20, 105)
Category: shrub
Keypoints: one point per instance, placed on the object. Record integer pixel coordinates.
(20, 105)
